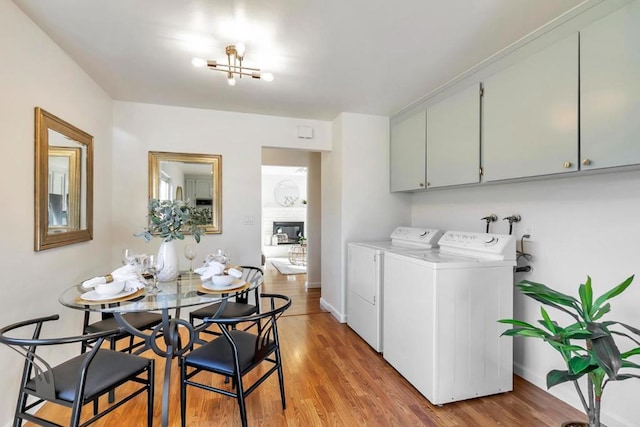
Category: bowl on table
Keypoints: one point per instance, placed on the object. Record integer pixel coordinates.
(222, 279)
(108, 289)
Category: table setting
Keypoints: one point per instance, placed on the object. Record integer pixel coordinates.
(133, 287)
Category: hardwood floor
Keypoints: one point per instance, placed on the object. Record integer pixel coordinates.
(333, 378)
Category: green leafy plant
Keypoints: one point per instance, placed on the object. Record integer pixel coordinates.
(587, 346)
(170, 219)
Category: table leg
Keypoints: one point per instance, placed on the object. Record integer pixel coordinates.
(169, 327)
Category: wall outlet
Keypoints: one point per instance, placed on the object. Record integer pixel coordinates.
(249, 220)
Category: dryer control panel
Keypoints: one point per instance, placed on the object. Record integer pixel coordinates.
(416, 236)
(493, 246)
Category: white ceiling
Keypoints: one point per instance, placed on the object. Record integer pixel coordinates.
(327, 56)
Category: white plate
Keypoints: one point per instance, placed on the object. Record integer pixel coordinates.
(237, 283)
(95, 296)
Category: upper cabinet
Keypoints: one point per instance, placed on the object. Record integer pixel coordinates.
(453, 139)
(408, 136)
(548, 109)
(530, 115)
(610, 90)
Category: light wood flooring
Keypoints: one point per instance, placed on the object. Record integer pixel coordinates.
(333, 378)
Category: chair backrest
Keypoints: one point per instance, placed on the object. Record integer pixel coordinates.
(36, 365)
(253, 275)
(268, 330)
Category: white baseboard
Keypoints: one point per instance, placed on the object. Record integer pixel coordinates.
(311, 285)
(335, 313)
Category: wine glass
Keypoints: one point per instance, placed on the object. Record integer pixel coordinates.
(190, 254)
(128, 257)
(221, 256)
(152, 265)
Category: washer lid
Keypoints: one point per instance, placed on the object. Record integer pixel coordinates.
(441, 260)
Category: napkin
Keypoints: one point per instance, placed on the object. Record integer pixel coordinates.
(127, 273)
(212, 268)
(234, 272)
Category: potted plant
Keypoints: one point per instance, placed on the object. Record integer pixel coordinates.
(169, 219)
(587, 346)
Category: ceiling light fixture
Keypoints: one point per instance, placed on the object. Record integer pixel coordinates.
(233, 67)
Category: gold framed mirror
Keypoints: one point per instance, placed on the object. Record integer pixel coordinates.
(193, 178)
(63, 181)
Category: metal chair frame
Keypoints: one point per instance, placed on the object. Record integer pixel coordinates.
(241, 304)
(232, 359)
(39, 378)
(152, 320)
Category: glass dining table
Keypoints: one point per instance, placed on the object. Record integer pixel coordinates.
(187, 291)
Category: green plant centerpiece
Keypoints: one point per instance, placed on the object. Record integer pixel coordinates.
(587, 346)
(169, 219)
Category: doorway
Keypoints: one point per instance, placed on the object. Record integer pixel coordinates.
(291, 215)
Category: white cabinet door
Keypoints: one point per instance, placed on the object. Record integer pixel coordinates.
(530, 115)
(408, 145)
(191, 190)
(203, 188)
(453, 139)
(610, 90)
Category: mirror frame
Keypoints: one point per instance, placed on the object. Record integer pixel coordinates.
(43, 239)
(215, 160)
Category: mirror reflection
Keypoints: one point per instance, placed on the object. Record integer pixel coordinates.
(64, 197)
(64, 159)
(192, 178)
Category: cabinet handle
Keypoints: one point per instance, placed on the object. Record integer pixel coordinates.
(428, 183)
(586, 162)
(566, 165)
(421, 184)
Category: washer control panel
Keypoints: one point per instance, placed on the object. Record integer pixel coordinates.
(416, 236)
(497, 246)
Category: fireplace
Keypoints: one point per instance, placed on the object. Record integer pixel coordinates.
(288, 233)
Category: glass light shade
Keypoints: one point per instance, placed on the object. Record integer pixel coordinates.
(198, 62)
(231, 80)
(240, 48)
(267, 77)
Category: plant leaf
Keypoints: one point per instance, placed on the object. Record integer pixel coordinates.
(606, 352)
(586, 297)
(581, 364)
(547, 320)
(622, 377)
(555, 377)
(617, 290)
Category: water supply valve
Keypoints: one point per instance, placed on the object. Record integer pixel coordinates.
(489, 219)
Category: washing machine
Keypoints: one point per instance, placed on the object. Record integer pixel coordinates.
(441, 311)
(365, 267)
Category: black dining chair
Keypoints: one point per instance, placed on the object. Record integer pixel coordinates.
(241, 306)
(77, 381)
(235, 354)
(141, 321)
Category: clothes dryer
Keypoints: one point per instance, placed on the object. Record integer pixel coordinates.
(441, 312)
(365, 268)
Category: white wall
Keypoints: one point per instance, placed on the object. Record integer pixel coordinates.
(239, 138)
(35, 72)
(356, 203)
(588, 225)
(314, 220)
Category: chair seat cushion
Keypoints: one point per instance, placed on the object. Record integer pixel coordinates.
(140, 321)
(108, 369)
(217, 355)
(233, 309)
